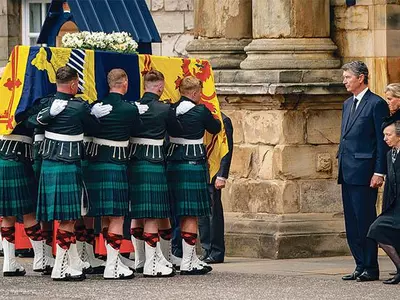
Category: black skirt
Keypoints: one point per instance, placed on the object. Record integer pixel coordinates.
(386, 228)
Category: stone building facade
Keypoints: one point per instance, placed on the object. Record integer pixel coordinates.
(277, 68)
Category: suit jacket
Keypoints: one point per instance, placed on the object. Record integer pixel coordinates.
(227, 159)
(391, 193)
(362, 151)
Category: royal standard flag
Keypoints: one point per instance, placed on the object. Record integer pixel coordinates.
(31, 74)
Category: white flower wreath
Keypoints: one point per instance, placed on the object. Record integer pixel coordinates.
(117, 41)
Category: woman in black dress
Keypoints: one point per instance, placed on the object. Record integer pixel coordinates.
(386, 228)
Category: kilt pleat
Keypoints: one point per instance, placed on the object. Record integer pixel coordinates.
(60, 191)
(107, 185)
(37, 164)
(148, 190)
(18, 188)
(188, 189)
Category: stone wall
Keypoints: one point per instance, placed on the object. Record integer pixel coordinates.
(175, 22)
(10, 27)
(369, 31)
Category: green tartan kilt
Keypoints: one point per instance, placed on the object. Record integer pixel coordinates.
(37, 164)
(84, 165)
(18, 188)
(187, 183)
(148, 190)
(107, 185)
(37, 159)
(61, 191)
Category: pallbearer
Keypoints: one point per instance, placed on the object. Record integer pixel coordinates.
(107, 172)
(148, 182)
(187, 167)
(18, 188)
(47, 227)
(61, 187)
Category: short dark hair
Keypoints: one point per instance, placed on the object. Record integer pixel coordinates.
(357, 68)
(66, 74)
(153, 76)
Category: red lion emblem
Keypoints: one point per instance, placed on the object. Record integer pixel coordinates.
(200, 69)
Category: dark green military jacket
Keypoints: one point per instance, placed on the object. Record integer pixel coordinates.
(153, 126)
(17, 150)
(190, 125)
(71, 121)
(116, 126)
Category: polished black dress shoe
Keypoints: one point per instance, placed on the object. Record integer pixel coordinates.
(367, 276)
(352, 276)
(393, 280)
(210, 260)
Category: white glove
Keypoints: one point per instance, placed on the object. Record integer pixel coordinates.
(142, 108)
(57, 107)
(99, 110)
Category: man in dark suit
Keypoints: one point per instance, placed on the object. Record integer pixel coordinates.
(211, 228)
(362, 165)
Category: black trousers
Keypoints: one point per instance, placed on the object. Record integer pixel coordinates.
(359, 213)
(211, 228)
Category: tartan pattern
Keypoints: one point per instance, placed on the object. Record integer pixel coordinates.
(80, 233)
(165, 234)
(114, 240)
(18, 188)
(187, 184)
(137, 232)
(148, 190)
(151, 238)
(34, 232)
(8, 234)
(65, 239)
(107, 185)
(189, 237)
(48, 237)
(60, 191)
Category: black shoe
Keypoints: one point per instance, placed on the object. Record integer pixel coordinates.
(352, 276)
(368, 276)
(210, 260)
(21, 253)
(195, 271)
(14, 273)
(204, 255)
(394, 280)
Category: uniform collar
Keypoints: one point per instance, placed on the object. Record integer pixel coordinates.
(148, 97)
(63, 96)
(112, 98)
(184, 98)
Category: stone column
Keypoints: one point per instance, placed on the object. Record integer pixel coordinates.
(291, 34)
(222, 30)
(10, 27)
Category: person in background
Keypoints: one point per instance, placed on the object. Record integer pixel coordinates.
(211, 228)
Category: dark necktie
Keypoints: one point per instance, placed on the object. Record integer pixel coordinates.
(354, 107)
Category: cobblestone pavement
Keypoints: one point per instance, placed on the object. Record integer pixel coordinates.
(238, 278)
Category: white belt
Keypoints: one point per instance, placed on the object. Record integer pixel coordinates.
(110, 143)
(182, 141)
(144, 141)
(17, 138)
(88, 139)
(38, 138)
(63, 137)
